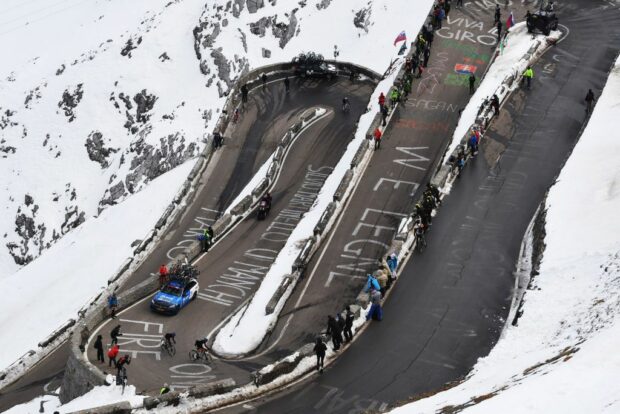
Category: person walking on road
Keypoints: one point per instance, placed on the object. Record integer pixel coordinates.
(163, 275)
(459, 4)
(499, 32)
(589, 101)
(377, 135)
(498, 14)
(124, 360)
(112, 353)
(264, 80)
(528, 75)
(287, 84)
(244, 93)
(115, 333)
(99, 347)
(334, 332)
(348, 324)
(427, 56)
(472, 83)
(319, 350)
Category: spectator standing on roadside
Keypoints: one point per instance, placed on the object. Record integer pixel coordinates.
(348, 324)
(498, 14)
(319, 350)
(459, 4)
(528, 75)
(264, 80)
(332, 330)
(384, 115)
(371, 283)
(112, 353)
(495, 104)
(287, 84)
(244, 93)
(499, 32)
(427, 56)
(375, 312)
(163, 275)
(381, 100)
(446, 7)
(377, 135)
(382, 278)
(115, 333)
(589, 101)
(112, 305)
(99, 347)
(392, 263)
(472, 83)
(124, 360)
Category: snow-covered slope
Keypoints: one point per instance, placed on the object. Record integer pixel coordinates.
(562, 357)
(98, 98)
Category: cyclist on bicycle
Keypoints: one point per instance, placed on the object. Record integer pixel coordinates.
(170, 338)
(201, 344)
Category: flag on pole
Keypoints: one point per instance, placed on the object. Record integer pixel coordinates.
(510, 21)
(402, 36)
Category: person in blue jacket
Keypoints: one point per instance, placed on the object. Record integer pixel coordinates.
(112, 304)
(392, 263)
(371, 283)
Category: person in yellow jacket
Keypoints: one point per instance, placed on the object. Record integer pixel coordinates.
(528, 75)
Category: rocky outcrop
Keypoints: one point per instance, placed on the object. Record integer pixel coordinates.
(284, 31)
(362, 19)
(70, 101)
(254, 5)
(130, 45)
(96, 149)
(323, 4)
(144, 103)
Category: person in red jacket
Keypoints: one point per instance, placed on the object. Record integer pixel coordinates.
(112, 353)
(377, 134)
(163, 275)
(381, 100)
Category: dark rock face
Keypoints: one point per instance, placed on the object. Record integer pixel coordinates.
(60, 70)
(5, 118)
(130, 45)
(362, 19)
(254, 5)
(96, 150)
(323, 4)
(28, 231)
(70, 101)
(285, 32)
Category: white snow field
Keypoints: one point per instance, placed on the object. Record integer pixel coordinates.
(562, 356)
(103, 100)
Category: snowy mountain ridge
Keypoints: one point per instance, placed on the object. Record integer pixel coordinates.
(100, 97)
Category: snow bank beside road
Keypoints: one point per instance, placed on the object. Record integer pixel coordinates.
(55, 286)
(562, 356)
(510, 62)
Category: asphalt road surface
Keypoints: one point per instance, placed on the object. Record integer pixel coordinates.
(234, 267)
(268, 115)
(451, 301)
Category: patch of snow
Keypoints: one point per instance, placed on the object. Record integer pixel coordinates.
(98, 396)
(54, 287)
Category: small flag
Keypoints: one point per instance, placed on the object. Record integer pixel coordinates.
(402, 36)
(403, 49)
(510, 21)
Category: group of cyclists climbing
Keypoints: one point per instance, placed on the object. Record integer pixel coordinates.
(199, 352)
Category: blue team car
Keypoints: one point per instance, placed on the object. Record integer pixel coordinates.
(174, 295)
